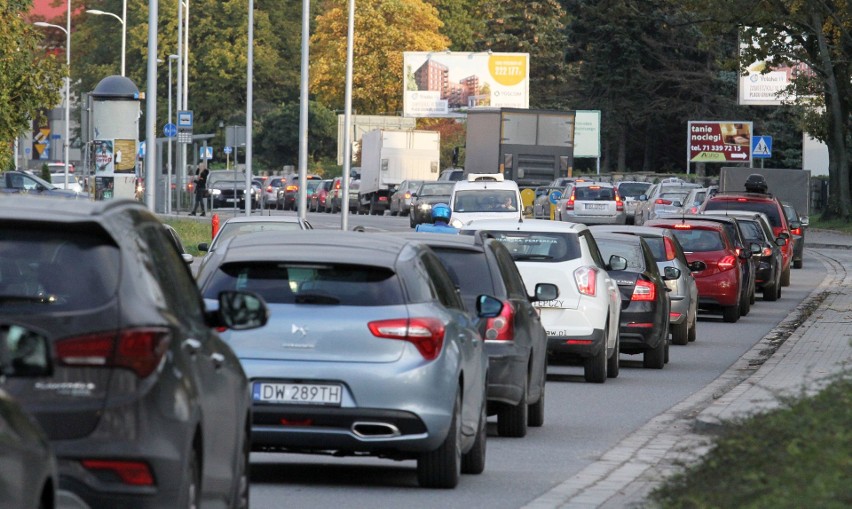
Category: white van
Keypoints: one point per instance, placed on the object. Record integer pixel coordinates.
(485, 196)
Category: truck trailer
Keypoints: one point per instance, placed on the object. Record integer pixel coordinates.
(789, 185)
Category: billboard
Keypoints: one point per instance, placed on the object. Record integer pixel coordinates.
(444, 84)
(719, 142)
(765, 82)
(104, 157)
(587, 134)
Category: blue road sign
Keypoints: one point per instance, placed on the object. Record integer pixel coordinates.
(761, 147)
(205, 154)
(555, 196)
(170, 130)
(141, 152)
(227, 150)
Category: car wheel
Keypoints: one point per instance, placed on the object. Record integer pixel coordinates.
(411, 221)
(393, 212)
(535, 417)
(240, 498)
(441, 468)
(785, 277)
(594, 368)
(770, 292)
(512, 419)
(745, 307)
(797, 264)
(612, 364)
(191, 496)
(692, 330)
(680, 332)
(655, 358)
(473, 461)
(731, 314)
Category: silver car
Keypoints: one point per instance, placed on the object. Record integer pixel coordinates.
(663, 198)
(683, 291)
(630, 191)
(368, 350)
(591, 203)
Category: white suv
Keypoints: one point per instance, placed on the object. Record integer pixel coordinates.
(485, 195)
(582, 323)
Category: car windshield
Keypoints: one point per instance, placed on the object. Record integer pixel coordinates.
(486, 200)
(630, 252)
(594, 193)
(539, 246)
(673, 197)
(319, 284)
(229, 184)
(312, 185)
(694, 240)
(435, 189)
(633, 189)
(231, 229)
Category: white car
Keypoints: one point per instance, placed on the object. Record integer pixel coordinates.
(582, 323)
(485, 196)
(58, 179)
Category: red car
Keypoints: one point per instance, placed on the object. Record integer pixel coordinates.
(759, 202)
(720, 280)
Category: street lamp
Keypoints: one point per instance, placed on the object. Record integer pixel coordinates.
(66, 141)
(122, 19)
(168, 207)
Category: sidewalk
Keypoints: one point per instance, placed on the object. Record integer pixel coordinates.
(817, 348)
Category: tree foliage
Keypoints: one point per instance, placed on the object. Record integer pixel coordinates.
(30, 78)
(383, 30)
(278, 139)
(462, 22)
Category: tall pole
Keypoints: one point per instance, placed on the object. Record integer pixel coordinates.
(249, 99)
(151, 107)
(303, 112)
(168, 207)
(123, 33)
(180, 167)
(186, 60)
(347, 119)
(67, 140)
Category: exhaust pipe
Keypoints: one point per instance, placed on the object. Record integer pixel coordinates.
(375, 430)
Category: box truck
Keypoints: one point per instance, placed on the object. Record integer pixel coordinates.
(789, 185)
(388, 157)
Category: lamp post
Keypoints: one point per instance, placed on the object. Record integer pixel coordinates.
(121, 19)
(66, 141)
(168, 207)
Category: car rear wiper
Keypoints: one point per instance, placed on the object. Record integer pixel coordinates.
(316, 298)
(520, 258)
(38, 299)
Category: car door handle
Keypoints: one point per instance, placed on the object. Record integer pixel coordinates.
(218, 360)
(192, 346)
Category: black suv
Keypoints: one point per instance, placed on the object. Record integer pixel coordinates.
(515, 341)
(133, 401)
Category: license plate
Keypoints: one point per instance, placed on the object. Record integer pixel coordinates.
(231, 200)
(297, 394)
(596, 206)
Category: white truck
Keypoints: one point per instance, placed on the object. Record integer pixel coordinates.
(388, 157)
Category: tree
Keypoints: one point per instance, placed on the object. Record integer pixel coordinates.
(278, 139)
(452, 133)
(383, 31)
(462, 22)
(30, 78)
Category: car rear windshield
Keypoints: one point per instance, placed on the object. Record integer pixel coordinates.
(298, 283)
(696, 240)
(436, 190)
(633, 190)
(768, 208)
(594, 193)
(469, 271)
(46, 268)
(540, 246)
(631, 252)
(233, 229)
(485, 200)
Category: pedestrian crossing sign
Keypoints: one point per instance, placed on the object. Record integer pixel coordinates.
(761, 147)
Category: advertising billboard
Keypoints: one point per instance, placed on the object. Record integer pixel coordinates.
(767, 82)
(444, 84)
(587, 134)
(719, 142)
(104, 157)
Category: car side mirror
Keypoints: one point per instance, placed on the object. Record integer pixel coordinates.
(697, 266)
(784, 235)
(239, 311)
(781, 242)
(204, 247)
(188, 258)
(671, 273)
(24, 352)
(545, 292)
(488, 306)
(617, 262)
(414, 195)
(755, 248)
(805, 221)
(676, 203)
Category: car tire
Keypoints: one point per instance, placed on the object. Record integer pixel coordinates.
(191, 493)
(745, 307)
(594, 368)
(785, 277)
(797, 264)
(512, 419)
(441, 468)
(655, 358)
(535, 415)
(770, 292)
(731, 314)
(680, 332)
(473, 461)
(411, 221)
(667, 351)
(240, 498)
(693, 334)
(612, 364)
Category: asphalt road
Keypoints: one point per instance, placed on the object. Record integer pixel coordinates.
(582, 420)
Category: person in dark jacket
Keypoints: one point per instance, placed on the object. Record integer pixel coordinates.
(200, 188)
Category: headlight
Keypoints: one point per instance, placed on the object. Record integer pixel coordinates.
(455, 223)
(215, 192)
(425, 206)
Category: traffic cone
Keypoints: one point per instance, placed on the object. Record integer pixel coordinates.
(214, 222)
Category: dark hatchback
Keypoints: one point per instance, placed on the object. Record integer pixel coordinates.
(426, 196)
(515, 341)
(797, 231)
(644, 325)
(133, 406)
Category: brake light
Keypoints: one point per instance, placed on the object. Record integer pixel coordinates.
(337, 185)
(619, 205)
(683, 226)
(586, 279)
(670, 249)
(383, 198)
(796, 231)
(292, 188)
(134, 473)
(426, 334)
(268, 189)
(644, 291)
(661, 201)
(594, 187)
(502, 326)
(569, 205)
(139, 350)
(742, 199)
(674, 316)
(727, 263)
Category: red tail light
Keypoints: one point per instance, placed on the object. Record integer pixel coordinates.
(727, 263)
(337, 185)
(569, 205)
(587, 280)
(292, 188)
(671, 253)
(683, 226)
(139, 350)
(674, 316)
(134, 473)
(502, 327)
(661, 201)
(644, 291)
(268, 189)
(427, 334)
(619, 205)
(383, 198)
(796, 231)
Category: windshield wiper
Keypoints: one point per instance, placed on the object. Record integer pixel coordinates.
(316, 298)
(38, 299)
(532, 257)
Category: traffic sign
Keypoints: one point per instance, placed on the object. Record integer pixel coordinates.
(170, 130)
(184, 119)
(555, 196)
(205, 152)
(141, 152)
(761, 147)
(227, 150)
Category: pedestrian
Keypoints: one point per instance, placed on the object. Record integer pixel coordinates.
(440, 221)
(200, 188)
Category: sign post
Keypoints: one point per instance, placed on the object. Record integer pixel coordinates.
(719, 142)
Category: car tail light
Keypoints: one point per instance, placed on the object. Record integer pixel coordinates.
(796, 231)
(502, 326)
(383, 198)
(569, 205)
(693, 210)
(682, 226)
(767, 251)
(337, 185)
(587, 279)
(641, 325)
(742, 200)
(619, 205)
(671, 253)
(268, 189)
(427, 334)
(727, 263)
(139, 350)
(134, 473)
(661, 201)
(292, 188)
(644, 291)
(674, 316)
(579, 342)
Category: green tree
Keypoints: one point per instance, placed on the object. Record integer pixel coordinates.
(462, 22)
(278, 139)
(383, 31)
(30, 78)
